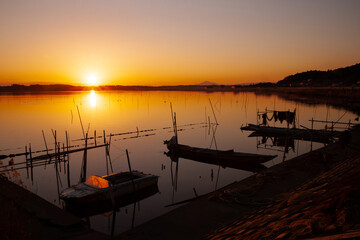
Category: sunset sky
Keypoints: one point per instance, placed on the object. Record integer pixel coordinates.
(166, 42)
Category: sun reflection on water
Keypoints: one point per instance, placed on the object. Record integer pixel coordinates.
(92, 98)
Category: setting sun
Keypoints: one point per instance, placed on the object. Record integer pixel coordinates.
(92, 80)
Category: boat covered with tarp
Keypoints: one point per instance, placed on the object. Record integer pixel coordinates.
(109, 187)
(218, 157)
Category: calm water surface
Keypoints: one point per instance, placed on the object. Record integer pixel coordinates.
(24, 117)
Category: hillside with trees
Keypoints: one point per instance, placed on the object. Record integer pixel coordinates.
(342, 77)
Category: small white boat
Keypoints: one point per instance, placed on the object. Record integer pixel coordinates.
(98, 189)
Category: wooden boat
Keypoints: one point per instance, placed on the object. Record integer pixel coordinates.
(218, 157)
(292, 137)
(97, 189)
(95, 208)
(293, 132)
(251, 167)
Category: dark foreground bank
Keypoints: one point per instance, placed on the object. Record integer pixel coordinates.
(313, 195)
(24, 215)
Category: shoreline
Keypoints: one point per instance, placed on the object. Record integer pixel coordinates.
(345, 97)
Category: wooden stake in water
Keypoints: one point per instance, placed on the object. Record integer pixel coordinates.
(31, 164)
(172, 114)
(84, 163)
(95, 137)
(82, 127)
(132, 179)
(64, 158)
(175, 129)
(106, 154)
(196, 195)
(113, 224)
(47, 151)
(133, 217)
(213, 112)
(26, 160)
(68, 159)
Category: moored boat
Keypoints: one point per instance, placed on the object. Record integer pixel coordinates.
(95, 208)
(97, 189)
(219, 157)
(293, 132)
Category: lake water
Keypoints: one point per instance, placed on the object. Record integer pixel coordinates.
(24, 117)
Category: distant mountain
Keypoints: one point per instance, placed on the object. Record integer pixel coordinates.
(206, 83)
(347, 76)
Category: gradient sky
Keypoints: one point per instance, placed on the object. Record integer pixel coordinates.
(165, 42)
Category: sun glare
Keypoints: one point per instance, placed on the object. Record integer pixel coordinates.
(92, 80)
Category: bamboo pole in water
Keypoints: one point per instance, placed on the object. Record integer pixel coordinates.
(213, 112)
(113, 224)
(84, 162)
(68, 159)
(45, 157)
(64, 160)
(132, 179)
(26, 161)
(95, 137)
(106, 154)
(175, 129)
(82, 127)
(133, 217)
(31, 164)
(58, 156)
(47, 150)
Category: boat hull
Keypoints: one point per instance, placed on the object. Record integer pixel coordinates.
(248, 166)
(293, 132)
(92, 195)
(218, 157)
(91, 208)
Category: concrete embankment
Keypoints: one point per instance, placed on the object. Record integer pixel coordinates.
(280, 192)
